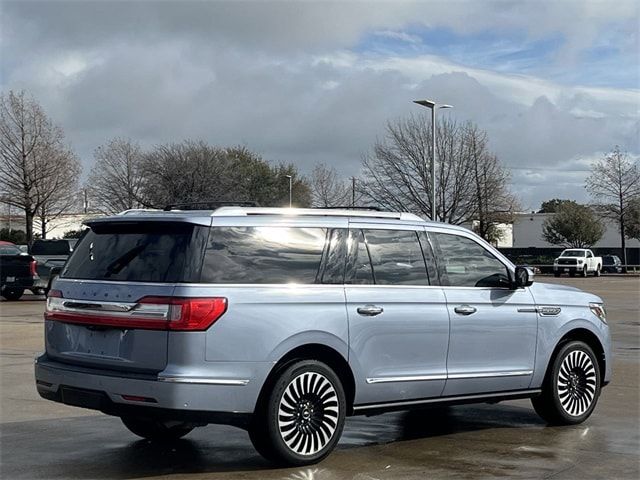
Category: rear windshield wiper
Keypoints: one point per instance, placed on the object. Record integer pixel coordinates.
(119, 263)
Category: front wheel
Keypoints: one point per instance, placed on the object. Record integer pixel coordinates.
(301, 419)
(155, 429)
(584, 271)
(572, 387)
(597, 272)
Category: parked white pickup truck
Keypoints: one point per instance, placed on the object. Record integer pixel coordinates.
(577, 260)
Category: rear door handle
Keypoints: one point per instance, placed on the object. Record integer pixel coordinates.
(465, 310)
(370, 310)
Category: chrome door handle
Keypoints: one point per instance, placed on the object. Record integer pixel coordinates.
(465, 309)
(370, 310)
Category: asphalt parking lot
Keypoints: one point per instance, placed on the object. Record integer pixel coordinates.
(40, 439)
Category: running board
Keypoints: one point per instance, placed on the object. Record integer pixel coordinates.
(456, 400)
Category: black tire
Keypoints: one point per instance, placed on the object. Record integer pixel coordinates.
(13, 294)
(572, 386)
(155, 429)
(556, 274)
(597, 272)
(584, 271)
(301, 419)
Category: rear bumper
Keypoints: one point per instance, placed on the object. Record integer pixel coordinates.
(105, 391)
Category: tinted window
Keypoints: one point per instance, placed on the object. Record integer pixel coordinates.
(396, 257)
(265, 255)
(386, 257)
(50, 247)
(140, 252)
(359, 271)
(9, 250)
(464, 263)
(335, 257)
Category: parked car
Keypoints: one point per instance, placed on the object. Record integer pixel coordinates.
(17, 271)
(611, 264)
(49, 254)
(577, 260)
(285, 321)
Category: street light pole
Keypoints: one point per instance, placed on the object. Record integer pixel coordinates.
(433, 106)
(290, 189)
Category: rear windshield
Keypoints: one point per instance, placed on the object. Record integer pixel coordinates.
(139, 252)
(9, 250)
(50, 247)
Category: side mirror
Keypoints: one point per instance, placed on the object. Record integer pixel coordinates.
(524, 277)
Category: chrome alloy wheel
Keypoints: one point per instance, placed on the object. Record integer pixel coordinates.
(576, 383)
(308, 413)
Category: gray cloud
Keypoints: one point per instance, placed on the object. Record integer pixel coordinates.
(281, 78)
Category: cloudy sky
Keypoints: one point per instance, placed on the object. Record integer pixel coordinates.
(555, 84)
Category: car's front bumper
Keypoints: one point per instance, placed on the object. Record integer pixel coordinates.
(118, 393)
(567, 268)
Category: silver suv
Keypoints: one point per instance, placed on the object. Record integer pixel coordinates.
(285, 321)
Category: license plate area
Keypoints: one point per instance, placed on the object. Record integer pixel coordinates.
(111, 348)
(566, 269)
(96, 341)
(10, 279)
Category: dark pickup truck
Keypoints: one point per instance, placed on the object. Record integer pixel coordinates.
(17, 271)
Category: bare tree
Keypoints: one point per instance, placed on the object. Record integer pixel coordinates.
(615, 183)
(117, 176)
(37, 171)
(327, 189)
(494, 203)
(472, 185)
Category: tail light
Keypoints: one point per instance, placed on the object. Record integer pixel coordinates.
(32, 268)
(151, 313)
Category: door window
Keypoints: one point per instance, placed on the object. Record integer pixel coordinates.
(388, 257)
(463, 262)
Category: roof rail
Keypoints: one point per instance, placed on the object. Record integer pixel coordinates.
(208, 205)
(352, 207)
(138, 210)
(313, 212)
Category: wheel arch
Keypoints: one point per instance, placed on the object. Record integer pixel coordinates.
(588, 337)
(313, 351)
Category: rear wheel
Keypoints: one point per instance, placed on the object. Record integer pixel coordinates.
(301, 419)
(572, 387)
(12, 293)
(156, 429)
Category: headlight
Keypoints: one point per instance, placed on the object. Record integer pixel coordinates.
(598, 310)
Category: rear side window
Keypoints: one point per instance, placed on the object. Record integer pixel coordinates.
(264, 255)
(139, 252)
